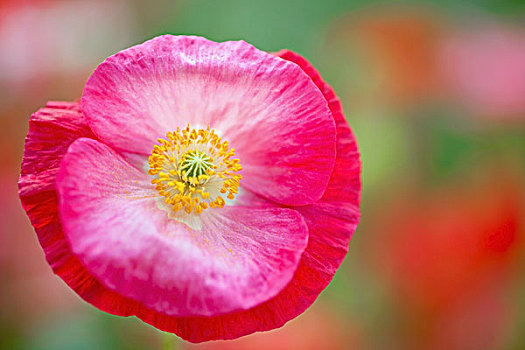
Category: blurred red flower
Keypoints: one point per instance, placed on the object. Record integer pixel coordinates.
(449, 258)
(394, 49)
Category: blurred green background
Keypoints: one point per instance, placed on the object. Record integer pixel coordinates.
(435, 93)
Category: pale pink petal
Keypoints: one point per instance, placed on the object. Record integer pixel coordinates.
(267, 108)
(241, 258)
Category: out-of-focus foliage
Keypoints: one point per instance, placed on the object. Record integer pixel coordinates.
(435, 93)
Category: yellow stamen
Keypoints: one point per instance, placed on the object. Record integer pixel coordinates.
(191, 168)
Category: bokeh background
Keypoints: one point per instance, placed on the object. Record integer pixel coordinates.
(435, 93)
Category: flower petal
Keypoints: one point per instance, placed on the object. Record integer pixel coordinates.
(51, 130)
(268, 109)
(241, 257)
(345, 182)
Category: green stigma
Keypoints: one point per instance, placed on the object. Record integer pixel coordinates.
(195, 163)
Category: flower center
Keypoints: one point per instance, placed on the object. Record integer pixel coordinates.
(193, 169)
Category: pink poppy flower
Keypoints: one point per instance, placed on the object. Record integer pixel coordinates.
(210, 189)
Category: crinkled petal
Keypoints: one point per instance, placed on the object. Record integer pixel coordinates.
(345, 182)
(241, 257)
(51, 130)
(267, 108)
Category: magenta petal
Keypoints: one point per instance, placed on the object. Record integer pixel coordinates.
(345, 181)
(267, 108)
(241, 258)
(51, 130)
